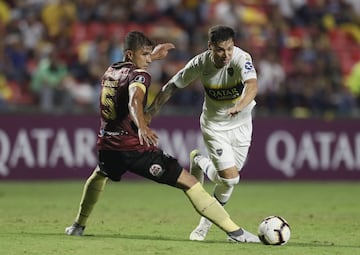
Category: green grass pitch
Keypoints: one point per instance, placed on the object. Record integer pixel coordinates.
(146, 218)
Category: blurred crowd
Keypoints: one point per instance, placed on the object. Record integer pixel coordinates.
(306, 52)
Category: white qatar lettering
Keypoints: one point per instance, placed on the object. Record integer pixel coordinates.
(306, 152)
(319, 151)
(22, 150)
(42, 137)
(4, 153)
(179, 143)
(46, 147)
(183, 143)
(165, 141)
(84, 144)
(343, 153)
(61, 150)
(285, 163)
(325, 139)
(357, 150)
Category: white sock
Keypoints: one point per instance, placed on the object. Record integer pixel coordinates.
(209, 169)
(204, 221)
(222, 193)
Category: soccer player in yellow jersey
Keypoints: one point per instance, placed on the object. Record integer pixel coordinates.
(230, 83)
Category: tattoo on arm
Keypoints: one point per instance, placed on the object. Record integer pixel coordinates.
(161, 98)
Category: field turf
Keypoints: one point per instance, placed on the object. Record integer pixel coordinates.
(147, 218)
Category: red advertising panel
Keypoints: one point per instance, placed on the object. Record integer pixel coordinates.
(63, 147)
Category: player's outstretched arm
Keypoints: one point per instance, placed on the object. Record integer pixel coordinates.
(161, 98)
(161, 51)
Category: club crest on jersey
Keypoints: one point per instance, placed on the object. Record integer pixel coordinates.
(139, 78)
(230, 71)
(156, 170)
(219, 152)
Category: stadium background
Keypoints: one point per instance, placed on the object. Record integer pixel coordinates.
(307, 55)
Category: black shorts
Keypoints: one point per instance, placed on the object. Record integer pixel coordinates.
(153, 165)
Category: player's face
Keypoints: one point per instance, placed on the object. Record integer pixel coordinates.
(222, 52)
(141, 57)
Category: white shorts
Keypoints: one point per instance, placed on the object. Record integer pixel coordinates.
(228, 148)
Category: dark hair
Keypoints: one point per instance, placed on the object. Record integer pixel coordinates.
(220, 33)
(135, 40)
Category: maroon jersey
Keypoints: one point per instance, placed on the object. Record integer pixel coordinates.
(117, 131)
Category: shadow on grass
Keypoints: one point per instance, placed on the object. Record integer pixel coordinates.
(319, 244)
(173, 239)
(124, 236)
(147, 237)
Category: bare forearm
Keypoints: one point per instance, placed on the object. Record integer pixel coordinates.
(161, 98)
(146, 135)
(247, 96)
(136, 113)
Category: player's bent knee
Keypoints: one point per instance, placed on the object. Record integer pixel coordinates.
(229, 182)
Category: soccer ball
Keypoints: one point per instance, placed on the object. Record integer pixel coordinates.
(274, 230)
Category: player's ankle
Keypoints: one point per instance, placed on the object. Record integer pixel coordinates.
(238, 232)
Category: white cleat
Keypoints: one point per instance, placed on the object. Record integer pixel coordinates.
(246, 237)
(75, 230)
(200, 232)
(195, 169)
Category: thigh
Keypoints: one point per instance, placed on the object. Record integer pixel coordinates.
(242, 135)
(219, 148)
(152, 165)
(157, 166)
(111, 164)
(241, 143)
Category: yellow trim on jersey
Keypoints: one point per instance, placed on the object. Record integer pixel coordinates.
(139, 85)
(141, 70)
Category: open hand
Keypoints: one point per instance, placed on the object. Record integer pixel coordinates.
(147, 136)
(161, 51)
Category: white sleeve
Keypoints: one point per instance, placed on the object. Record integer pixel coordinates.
(247, 68)
(189, 73)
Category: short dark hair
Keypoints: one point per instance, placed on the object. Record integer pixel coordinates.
(135, 40)
(220, 33)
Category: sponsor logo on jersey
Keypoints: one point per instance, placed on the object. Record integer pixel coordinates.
(219, 152)
(230, 71)
(156, 170)
(225, 93)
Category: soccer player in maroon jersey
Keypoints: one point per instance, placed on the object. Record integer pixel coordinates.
(126, 143)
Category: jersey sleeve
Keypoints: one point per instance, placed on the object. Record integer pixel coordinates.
(186, 75)
(247, 68)
(140, 78)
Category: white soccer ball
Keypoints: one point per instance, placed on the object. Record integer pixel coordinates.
(274, 230)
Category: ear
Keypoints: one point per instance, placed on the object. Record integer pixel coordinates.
(209, 45)
(129, 55)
